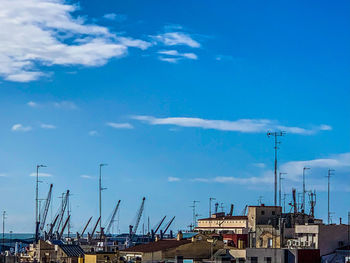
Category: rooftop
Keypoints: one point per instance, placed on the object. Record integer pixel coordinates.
(227, 217)
(158, 245)
(72, 250)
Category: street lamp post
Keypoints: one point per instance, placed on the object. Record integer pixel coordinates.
(100, 194)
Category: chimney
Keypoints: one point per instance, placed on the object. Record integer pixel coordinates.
(339, 220)
(179, 236)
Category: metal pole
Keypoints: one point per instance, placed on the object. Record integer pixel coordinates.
(3, 229)
(100, 194)
(275, 170)
(275, 134)
(304, 191)
(329, 193)
(210, 199)
(280, 188)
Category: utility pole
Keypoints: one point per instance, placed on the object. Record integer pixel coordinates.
(280, 188)
(194, 213)
(284, 202)
(3, 228)
(330, 173)
(210, 199)
(276, 135)
(37, 222)
(100, 189)
(304, 191)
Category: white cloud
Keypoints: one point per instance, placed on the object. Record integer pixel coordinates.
(170, 60)
(41, 175)
(32, 104)
(236, 180)
(111, 16)
(223, 57)
(47, 126)
(173, 179)
(46, 33)
(177, 38)
(241, 125)
(115, 17)
(3, 175)
(93, 133)
(85, 176)
(67, 105)
(20, 127)
(259, 165)
(175, 55)
(294, 169)
(124, 125)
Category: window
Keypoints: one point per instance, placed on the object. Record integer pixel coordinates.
(253, 260)
(273, 213)
(269, 242)
(263, 212)
(268, 259)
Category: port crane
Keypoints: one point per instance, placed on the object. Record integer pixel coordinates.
(159, 225)
(45, 210)
(94, 229)
(133, 229)
(62, 209)
(168, 225)
(244, 211)
(111, 221)
(59, 237)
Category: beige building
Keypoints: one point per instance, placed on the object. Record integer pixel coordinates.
(326, 238)
(263, 215)
(101, 257)
(221, 223)
(196, 249)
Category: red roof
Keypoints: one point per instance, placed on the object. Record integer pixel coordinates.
(225, 218)
(158, 245)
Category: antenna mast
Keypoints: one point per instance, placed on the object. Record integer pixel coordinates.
(276, 135)
(330, 173)
(304, 191)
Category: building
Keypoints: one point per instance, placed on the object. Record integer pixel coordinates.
(271, 255)
(222, 223)
(101, 257)
(195, 249)
(326, 238)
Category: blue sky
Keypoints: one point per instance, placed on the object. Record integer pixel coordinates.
(176, 97)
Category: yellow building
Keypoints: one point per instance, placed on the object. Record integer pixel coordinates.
(101, 257)
(220, 222)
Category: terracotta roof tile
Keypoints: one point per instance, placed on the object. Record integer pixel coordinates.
(157, 246)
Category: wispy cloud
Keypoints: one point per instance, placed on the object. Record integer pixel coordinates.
(41, 175)
(85, 176)
(294, 169)
(115, 17)
(32, 104)
(172, 179)
(236, 180)
(48, 126)
(177, 38)
(93, 133)
(122, 125)
(43, 27)
(19, 127)
(174, 55)
(259, 165)
(169, 60)
(67, 105)
(241, 125)
(3, 175)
